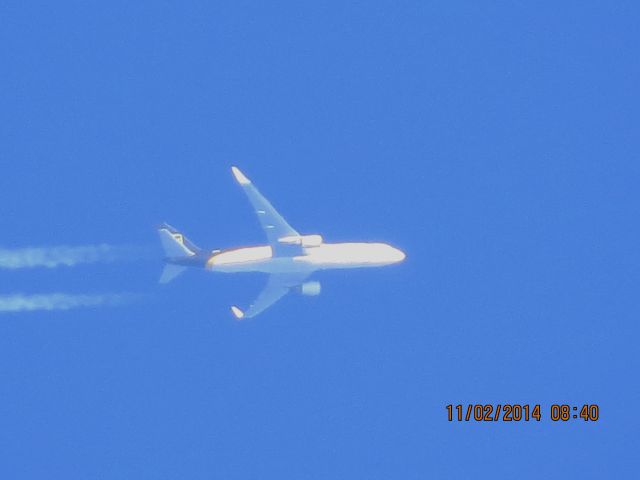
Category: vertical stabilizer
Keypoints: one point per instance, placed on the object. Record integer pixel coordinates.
(174, 244)
(176, 248)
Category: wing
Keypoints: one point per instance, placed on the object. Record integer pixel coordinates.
(271, 221)
(277, 287)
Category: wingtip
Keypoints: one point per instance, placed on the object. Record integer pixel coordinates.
(239, 176)
(237, 312)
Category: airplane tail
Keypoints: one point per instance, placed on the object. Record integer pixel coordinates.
(176, 247)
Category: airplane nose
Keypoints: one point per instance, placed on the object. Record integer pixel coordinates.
(398, 255)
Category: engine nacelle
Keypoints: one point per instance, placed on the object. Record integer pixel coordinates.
(302, 240)
(311, 241)
(310, 289)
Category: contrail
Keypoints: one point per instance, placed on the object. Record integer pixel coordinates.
(52, 257)
(61, 301)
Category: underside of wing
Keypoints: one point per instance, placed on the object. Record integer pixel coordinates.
(278, 285)
(273, 224)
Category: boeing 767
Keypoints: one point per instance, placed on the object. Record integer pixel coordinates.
(289, 258)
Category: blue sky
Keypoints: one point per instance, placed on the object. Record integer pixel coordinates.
(496, 143)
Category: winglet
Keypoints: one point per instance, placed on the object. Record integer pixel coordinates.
(240, 178)
(237, 312)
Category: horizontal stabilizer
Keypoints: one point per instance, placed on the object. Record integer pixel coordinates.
(170, 272)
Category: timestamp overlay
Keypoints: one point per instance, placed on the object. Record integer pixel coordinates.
(522, 412)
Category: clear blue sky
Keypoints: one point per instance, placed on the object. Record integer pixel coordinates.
(495, 142)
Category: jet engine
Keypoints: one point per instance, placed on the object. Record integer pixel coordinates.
(311, 241)
(310, 289)
(302, 240)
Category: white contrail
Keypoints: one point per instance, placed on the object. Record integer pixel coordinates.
(60, 301)
(51, 257)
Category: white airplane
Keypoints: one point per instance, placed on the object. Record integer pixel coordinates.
(289, 258)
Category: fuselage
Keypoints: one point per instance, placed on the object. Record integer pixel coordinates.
(321, 257)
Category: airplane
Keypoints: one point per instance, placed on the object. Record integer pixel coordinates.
(289, 258)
